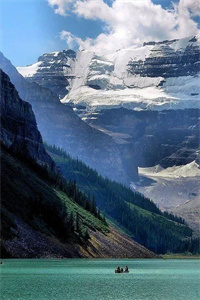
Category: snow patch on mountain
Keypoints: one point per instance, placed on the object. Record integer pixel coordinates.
(142, 82)
(110, 83)
(175, 189)
(162, 75)
(190, 170)
(81, 68)
(181, 196)
(29, 71)
(181, 44)
(151, 98)
(122, 57)
(171, 187)
(183, 87)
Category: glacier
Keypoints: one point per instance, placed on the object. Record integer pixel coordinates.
(156, 76)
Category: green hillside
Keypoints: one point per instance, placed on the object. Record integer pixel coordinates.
(160, 232)
(29, 199)
(154, 225)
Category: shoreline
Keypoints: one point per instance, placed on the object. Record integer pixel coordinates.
(180, 256)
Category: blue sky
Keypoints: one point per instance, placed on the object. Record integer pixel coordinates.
(30, 28)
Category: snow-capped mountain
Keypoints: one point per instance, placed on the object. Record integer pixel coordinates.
(53, 71)
(59, 125)
(138, 97)
(157, 76)
(190, 170)
(175, 189)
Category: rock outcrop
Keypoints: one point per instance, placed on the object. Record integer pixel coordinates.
(18, 125)
(54, 71)
(167, 138)
(174, 58)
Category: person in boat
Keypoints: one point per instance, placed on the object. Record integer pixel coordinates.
(117, 270)
(126, 269)
(122, 270)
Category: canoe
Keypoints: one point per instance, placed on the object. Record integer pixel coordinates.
(121, 271)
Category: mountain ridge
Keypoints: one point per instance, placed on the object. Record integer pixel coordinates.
(60, 125)
(129, 210)
(39, 218)
(18, 125)
(148, 77)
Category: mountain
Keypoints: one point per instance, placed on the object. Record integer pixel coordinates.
(60, 125)
(41, 214)
(166, 147)
(159, 231)
(146, 99)
(18, 125)
(175, 189)
(53, 71)
(189, 210)
(43, 220)
(156, 76)
(168, 138)
(45, 216)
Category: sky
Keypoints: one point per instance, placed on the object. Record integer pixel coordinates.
(29, 28)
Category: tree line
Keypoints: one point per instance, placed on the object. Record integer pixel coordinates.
(43, 206)
(159, 231)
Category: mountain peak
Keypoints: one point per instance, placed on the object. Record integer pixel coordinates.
(158, 75)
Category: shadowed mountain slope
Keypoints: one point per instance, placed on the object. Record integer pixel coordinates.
(38, 217)
(59, 125)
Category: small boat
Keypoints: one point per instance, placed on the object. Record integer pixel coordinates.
(117, 271)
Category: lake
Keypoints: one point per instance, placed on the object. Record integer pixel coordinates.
(87, 279)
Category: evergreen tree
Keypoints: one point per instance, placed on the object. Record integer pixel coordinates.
(78, 225)
(139, 215)
(86, 235)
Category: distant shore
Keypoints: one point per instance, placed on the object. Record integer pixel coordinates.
(180, 256)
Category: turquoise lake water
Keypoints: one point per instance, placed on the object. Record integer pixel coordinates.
(76, 279)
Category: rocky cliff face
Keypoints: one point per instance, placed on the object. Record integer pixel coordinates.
(167, 138)
(59, 125)
(156, 76)
(54, 71)
(18, 125)
(169, 59)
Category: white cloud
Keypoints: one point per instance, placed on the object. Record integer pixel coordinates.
(129, 22)
(74, 42)
(71, 40)
(184, 11)
(192, 5)
(60, 6)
